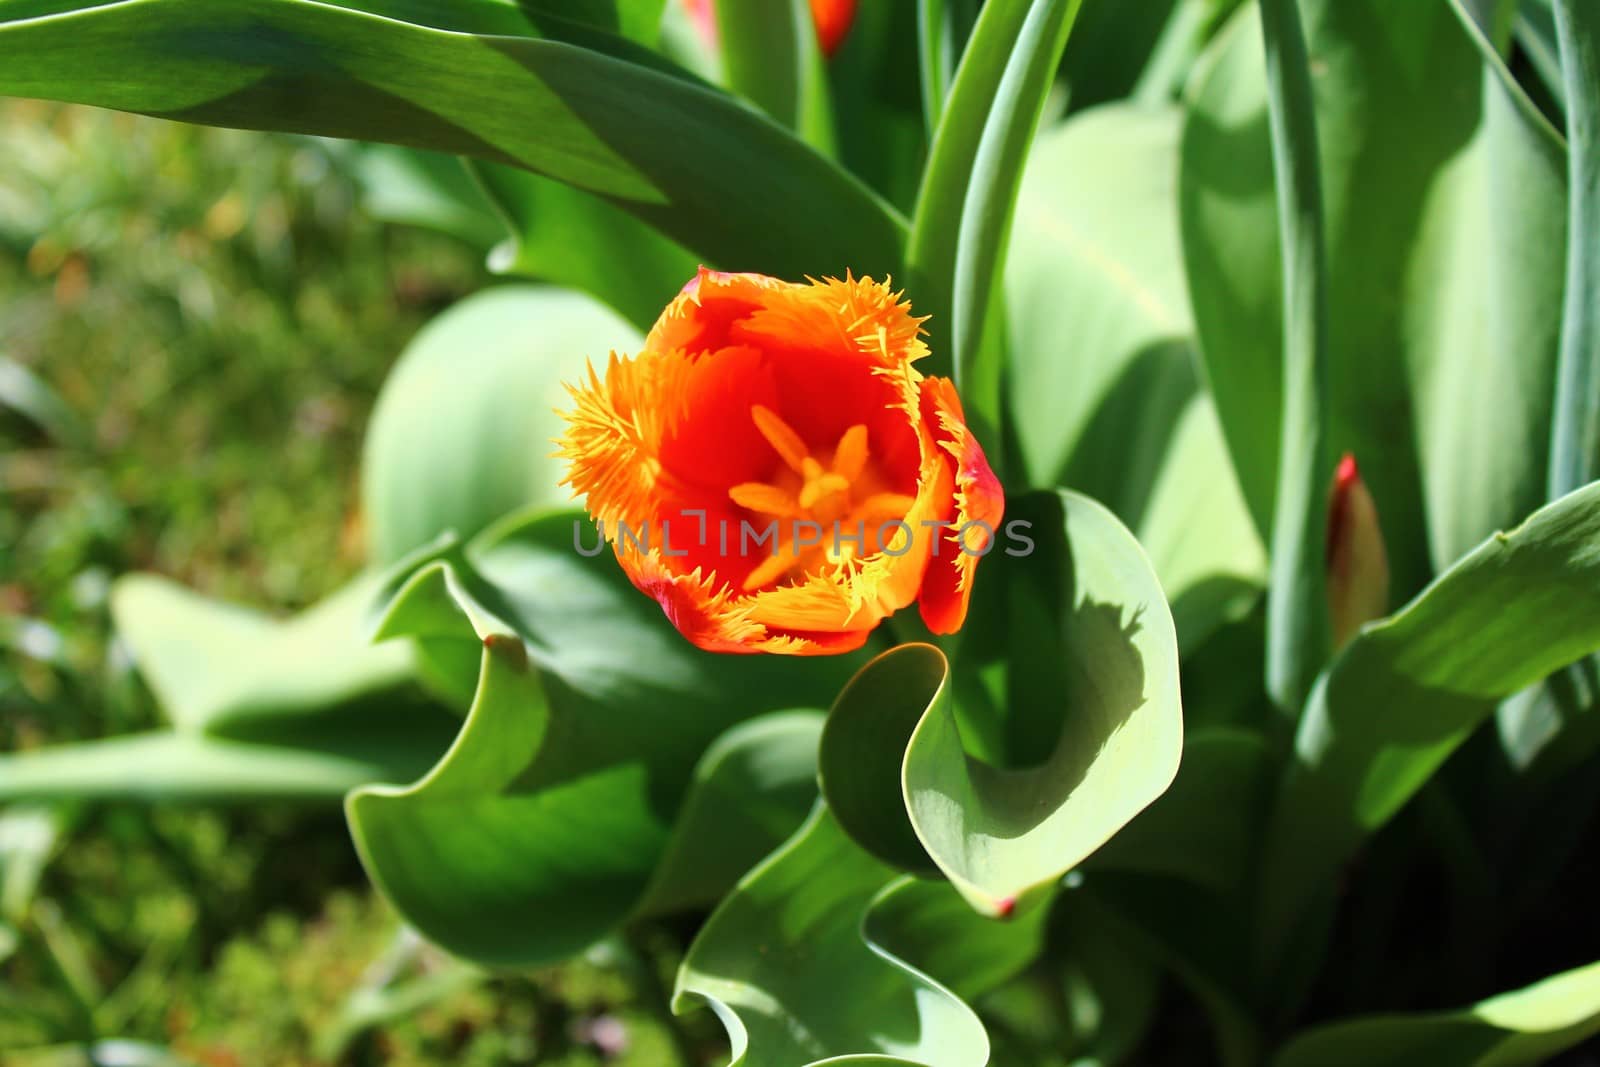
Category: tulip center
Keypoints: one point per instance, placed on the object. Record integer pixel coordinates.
(830, 509)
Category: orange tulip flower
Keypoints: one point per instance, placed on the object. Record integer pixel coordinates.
(773, 469)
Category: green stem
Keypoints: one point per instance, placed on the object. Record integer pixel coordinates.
(1297, 619)
(1575, 440)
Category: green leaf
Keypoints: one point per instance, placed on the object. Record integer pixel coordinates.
(927, 924)
(874, 76)
(1527, 1026)
(572, 238)
(1443, 215)
(1103, 393)
(770, 56)
(969, 188)
(222, 668)
(1297, 615)
(1111, 47)
(942, 30)
(321, 762)
(1208, 826)
(427, 189)
(1098, 757)
(464, 428)
(1191, 932)
(497, 82)
(1197, 531)
(559, 797)
(1228, 221)
(1486, 333)
(1575, 441)
(751, 790)
(817, 991)
(1099, 315)
(300, 708)
(1406, 692)
(1535, 31)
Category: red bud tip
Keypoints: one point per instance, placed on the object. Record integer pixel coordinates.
(1005, 907)
(1348, 473)
(832, 19)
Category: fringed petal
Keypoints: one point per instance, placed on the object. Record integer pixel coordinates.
(974, 512)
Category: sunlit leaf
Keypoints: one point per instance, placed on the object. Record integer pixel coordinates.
(1407, 691)
(1000, 833)
(1522, 1028)
(542, 828)
(495, 81)
(463, 430)
(816, 991)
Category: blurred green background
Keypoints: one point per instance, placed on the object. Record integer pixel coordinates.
(193, 326)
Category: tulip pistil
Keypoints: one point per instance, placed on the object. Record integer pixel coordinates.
(828, 495)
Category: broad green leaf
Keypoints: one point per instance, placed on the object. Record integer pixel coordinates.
(1575, 441)
(1191, 932)
(638, 20)
(927, 924)
(1232, 254)
(1172, 57)
(1484, 346)
(1525, 1027)
(751, 790)
(1207, 827)
(463, 430)
(606, 116)
(219, 667)
(1106, 746)
(1552, 728)
(770, 57)
(1198, 533)
(969, 189)
(330, 758)
(572, 238)
(1297, 616)
(427, 189)
(1112, 994)
(304, 707)
(1103, 393)
(1535, 31)
(559, 797)
(1110, 48)
(878, 121)
(817, 991)
(1443, 268)
(1407, 691)
(1099, 313)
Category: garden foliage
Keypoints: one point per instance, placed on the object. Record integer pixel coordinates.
(1316, 755)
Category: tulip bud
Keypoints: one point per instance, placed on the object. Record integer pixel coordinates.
(831, 17)
(1357, 565)
(704, 19)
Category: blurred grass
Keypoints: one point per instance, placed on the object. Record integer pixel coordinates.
(208, 316)
(216, 317)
